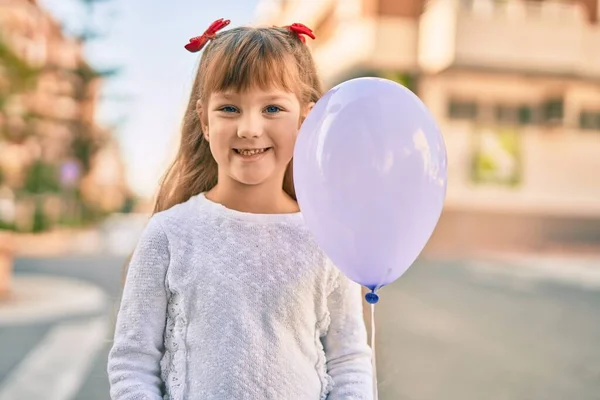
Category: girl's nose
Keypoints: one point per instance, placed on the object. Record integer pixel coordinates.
(250, 127)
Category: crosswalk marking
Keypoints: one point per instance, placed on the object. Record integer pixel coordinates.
(57, 367)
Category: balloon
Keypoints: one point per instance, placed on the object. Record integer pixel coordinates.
(370, 171)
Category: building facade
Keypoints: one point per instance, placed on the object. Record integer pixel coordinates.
(50, 142)
(513, 84)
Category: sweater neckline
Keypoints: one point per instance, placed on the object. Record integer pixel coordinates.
(221, 210)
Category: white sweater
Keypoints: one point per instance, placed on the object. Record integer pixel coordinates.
(222, 304)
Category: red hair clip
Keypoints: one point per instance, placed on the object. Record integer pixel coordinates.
(197, 43)
(300, 30)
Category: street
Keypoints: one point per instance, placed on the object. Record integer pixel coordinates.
(446, 330)
(480, 116)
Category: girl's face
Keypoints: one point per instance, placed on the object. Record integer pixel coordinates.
(252, 133)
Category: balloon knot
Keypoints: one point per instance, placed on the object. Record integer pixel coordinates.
(372, 298)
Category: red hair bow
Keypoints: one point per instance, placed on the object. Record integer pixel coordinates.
(300, 30)
(197, 43)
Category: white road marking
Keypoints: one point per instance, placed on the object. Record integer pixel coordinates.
(57, 367)
(527, 271)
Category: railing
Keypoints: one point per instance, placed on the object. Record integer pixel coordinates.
(546, 10)
(553, 37)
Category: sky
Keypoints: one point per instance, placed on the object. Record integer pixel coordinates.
(145, 39)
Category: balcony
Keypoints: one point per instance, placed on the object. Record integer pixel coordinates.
(547, 37)
(347, 39)
(367, 44)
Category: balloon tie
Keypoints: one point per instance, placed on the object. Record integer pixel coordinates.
(372, 297)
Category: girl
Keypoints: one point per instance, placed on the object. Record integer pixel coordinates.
(227, 296)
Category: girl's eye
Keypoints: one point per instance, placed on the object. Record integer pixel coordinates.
(228, 109)
(272, 109)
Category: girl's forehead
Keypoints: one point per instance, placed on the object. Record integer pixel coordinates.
(228, 74)
(255, 92)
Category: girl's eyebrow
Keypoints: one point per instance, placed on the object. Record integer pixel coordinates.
(275, 97)
(266, 97)
(223, 95)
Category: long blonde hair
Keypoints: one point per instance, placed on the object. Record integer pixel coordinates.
(237, 59)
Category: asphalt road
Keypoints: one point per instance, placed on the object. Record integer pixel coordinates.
(445, 331)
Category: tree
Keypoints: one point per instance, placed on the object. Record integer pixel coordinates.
(16, 78)
(19, 76)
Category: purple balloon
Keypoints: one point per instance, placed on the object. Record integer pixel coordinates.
(370, 170)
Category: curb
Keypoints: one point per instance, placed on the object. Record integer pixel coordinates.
(41, 298)
(56, 243)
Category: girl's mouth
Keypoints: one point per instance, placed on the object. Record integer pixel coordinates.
(251, 152)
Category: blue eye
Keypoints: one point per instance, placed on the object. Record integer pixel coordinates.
(228, 109)
(272, 109)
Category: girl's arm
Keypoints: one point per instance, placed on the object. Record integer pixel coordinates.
(134, 360)
(348, 354)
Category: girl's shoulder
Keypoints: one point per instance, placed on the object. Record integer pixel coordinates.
(178, 217)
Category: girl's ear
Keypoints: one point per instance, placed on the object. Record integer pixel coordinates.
(202, 118)
(307, 109)
(304, 113)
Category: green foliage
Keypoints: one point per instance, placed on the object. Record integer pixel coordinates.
(501, 164)
(129, 204)
(42, 178)
(40, 220)
(20, 76)
(85, 145)
(6, 226)
(402, 78)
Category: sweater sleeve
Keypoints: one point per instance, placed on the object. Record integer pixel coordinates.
(134, 360)
(346, 349)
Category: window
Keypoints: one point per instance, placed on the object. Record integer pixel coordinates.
(395, 8)
(513, 114)
(460, 109)
(505, 115)
(553, 110)
(589, 120)
(525, 115)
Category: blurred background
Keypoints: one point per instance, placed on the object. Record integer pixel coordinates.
(502, 304)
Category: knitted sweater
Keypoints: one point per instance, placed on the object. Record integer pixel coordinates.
(222, 304)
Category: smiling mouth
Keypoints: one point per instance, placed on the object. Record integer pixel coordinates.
(251, 152)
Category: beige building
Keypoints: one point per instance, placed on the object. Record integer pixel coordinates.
(53, 122)
(513, 84)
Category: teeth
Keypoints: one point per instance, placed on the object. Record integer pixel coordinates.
(251, 152)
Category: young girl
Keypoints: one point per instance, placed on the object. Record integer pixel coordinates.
(227, 295)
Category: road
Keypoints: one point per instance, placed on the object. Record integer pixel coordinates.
(446, 330)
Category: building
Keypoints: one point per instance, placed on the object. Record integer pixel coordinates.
(51, 143)
(513, 84)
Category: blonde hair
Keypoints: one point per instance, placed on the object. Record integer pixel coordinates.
(237, 59)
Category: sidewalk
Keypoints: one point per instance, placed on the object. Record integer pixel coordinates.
(117, 234)
(583, 272)
(42, 299)
(478, 233)
(57, 243)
